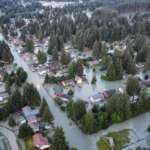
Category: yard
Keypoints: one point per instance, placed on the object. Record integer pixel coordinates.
(29, 144)
(120, 139)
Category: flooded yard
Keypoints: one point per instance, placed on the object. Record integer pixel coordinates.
(88, 89)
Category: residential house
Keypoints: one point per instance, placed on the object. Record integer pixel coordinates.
(31, 117)
(53, 66)
(27, 56)
(99, 97)
(67, 83)
(2, 88)
(58, 89)
(145, 83)
(40, 142)
(78, 80)
(64, 97)
(3, 94)
(108, 93)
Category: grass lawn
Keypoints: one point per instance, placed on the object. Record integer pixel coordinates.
(29, 144)
(103, 144)
(120, 139)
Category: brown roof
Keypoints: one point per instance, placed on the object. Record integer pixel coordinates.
(39, 141)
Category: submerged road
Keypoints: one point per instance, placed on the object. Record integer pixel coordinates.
(11, 137)
(73, 134)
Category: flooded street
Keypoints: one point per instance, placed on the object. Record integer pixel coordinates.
(74, 135)
(7, 140)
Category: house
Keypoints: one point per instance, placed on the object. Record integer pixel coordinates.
(31, 118)
(108, 93)
(40, 142)
(140, 66)
(27, 111)
(4, 98)
(94, 62)
(27, 56)
(67, 83)
(53, 66)
(64, 97)
(99, 97)
(2, 88)
(34, 126)
(58, 89)
(3, 101)
(45, 126)
(78, 80)
(134, 99)
(145, 83)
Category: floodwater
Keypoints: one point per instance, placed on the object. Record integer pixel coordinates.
(87, 89)
(54, 4)
(73, 134)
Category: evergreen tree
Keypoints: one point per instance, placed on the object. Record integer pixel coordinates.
(128, 63)
(5, 53)
(76, 110)
(65, 58)
(41, 57)
(15, 101)
(59, 141)
(21, 76)
(147, 63)
(133, 86)
(97, 49)
(76, 68)
(29, 45)
(55, 55)
(111, 72)
(31, 95)
(47, 115)
(88, 123)
(94, 80)
(25, 132)
(55, 43)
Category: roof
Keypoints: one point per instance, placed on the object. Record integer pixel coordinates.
(34, 126)
(146, 82)
(108, 93)
(31, 119)
(97, 97)
(68, 82)
(58, 89)
(78, 79)
(2, 88)
(39, 141)
(26, 111)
